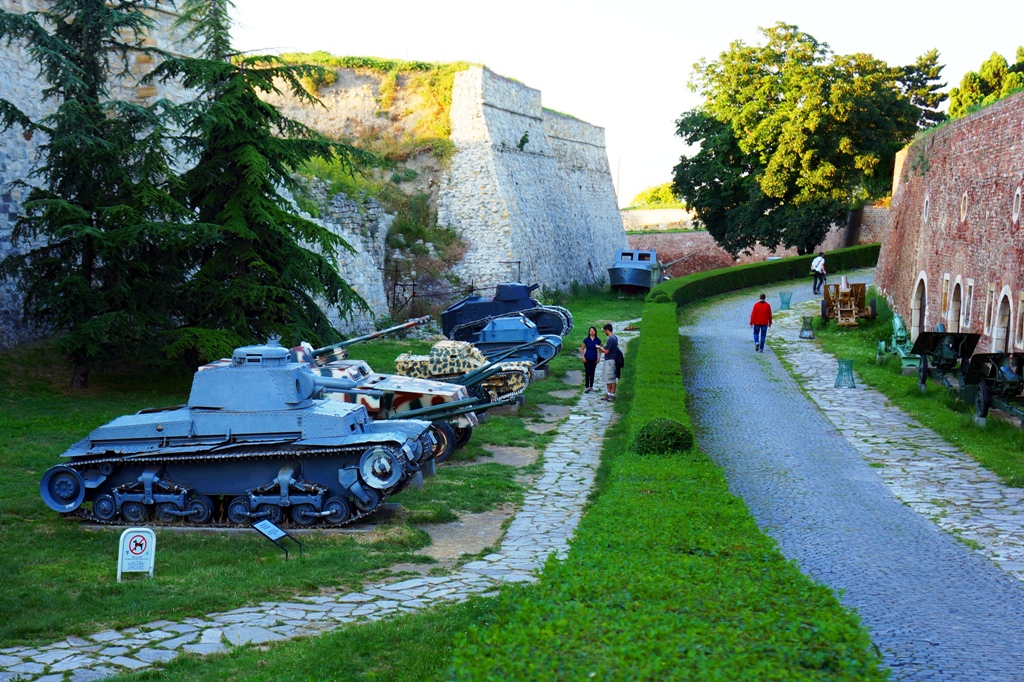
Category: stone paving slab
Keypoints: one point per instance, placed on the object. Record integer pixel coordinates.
(936, 609)
(545, 525)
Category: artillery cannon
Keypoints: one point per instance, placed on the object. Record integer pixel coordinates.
(899, 345)
(256, 434)
(463, 321)
(995, 380)
(338, 351)
(846, 303)
(450, 408)
(944, 356)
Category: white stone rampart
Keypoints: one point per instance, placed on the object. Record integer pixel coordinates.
(528, 189)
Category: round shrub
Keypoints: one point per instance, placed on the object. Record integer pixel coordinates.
(662, 436)
(659, 297)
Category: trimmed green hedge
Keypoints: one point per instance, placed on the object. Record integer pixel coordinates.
(712, 282)
(660, 394)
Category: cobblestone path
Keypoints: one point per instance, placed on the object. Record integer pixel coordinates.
(936, 609)
(551, 511)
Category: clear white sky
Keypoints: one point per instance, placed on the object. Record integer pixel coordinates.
(624, 65)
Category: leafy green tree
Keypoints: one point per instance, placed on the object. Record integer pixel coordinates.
(265, 270)
(993, 81)
(96, 266)
(808, 129)
(920, 83)
(658, 196)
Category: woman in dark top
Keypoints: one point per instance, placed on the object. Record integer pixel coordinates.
(588, 351)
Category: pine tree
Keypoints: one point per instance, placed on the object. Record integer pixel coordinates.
(266, 270)
(98, 220)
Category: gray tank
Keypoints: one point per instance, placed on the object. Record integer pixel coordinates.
(257, 440)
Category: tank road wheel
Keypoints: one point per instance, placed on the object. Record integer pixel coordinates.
(272, 511)
(304, 515)
(462, 436)
(369, 505)
(380, 467)
(200, 509)
(983, 400)
(62, 488)
(444, 434)
(104, 508)
(164, 513)
(238, 510)
(134, 512)
(338, 510)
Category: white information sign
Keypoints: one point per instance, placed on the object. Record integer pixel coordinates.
(137, 553)
(269, 529)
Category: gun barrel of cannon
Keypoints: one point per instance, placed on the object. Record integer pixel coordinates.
(343, 386)
(440, 411)
(368, 337)
(512, 351)
(479, 375)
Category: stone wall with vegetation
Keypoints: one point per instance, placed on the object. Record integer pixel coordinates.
(528, 189)
(640, 219)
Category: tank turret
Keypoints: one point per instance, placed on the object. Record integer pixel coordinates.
(256, 440)
(463, 321)
(461, 362)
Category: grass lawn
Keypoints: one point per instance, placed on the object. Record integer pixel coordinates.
(60, 579)
(998, 446)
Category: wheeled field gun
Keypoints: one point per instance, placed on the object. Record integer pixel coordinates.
(493, 366)
(337, 351)
(847, 303)
(995, 380)
(448, 411)
(944, 357)
(899, 345)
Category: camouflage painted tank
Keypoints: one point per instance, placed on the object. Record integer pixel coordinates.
(450, 408)
(257, 440)
(461, 362)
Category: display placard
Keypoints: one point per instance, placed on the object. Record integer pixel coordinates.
(137, 552)
(269, 529)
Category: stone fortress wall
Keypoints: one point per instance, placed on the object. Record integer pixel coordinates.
(529, 189)
(955, 252)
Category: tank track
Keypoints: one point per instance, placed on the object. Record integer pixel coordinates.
(466, 330)
(356, 514)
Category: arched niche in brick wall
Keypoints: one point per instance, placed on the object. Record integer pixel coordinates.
(955, 315)
(1002, 325)
(919, 305)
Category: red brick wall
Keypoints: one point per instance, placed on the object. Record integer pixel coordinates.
(705, 254)
(980, 157)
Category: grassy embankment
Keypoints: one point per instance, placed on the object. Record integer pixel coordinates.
(668, 577)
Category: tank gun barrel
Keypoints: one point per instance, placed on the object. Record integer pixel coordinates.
(339, 385)
(440, 411)
(319, 352)
(478, 375)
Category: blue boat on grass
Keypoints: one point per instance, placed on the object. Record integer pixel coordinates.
(632, 271)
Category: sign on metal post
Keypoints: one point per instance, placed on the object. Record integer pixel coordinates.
(273, 533)
(137, 553)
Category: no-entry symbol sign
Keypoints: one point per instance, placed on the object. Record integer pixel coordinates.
(137, 553)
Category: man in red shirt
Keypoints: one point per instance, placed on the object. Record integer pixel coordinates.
(760, 320)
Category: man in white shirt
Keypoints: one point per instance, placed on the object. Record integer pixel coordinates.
(818, 270)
